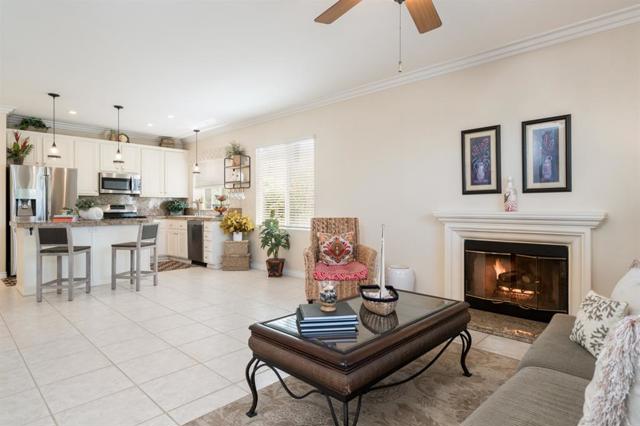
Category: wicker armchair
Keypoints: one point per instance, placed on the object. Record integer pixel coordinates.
(363, 254)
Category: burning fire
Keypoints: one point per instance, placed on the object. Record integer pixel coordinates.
(499, 268)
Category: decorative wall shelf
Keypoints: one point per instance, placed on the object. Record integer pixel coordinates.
(237, 172)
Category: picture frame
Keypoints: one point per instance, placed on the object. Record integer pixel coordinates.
(481, 167)
(546, 154)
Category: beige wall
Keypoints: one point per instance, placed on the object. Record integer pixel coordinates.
(393, 157)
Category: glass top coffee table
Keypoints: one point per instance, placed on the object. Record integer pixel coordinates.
(347, 369)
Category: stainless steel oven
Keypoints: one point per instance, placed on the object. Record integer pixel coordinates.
(120, 183)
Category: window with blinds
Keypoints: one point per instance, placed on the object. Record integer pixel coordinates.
(285, 183)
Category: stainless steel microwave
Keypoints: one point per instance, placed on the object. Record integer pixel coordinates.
(120, 183)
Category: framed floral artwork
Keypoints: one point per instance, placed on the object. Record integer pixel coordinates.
(481, 161)
(546, 154)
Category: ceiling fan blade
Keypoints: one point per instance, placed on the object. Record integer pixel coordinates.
(337, 10)
(424, 14)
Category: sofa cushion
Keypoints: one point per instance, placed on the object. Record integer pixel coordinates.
(533, 397)
(553, 350)
(336, 249)
(628, 289)
(596, 316)
(354, 271)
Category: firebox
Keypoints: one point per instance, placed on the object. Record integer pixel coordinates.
(523, 280)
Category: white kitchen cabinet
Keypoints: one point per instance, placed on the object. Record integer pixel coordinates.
(130, 156)
(35, 138)
(177, 241)
(87, 160)
(65, 151)
(213, 244)
(152, 172)
(177, 174)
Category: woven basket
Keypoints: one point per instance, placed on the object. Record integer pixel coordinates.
(236, 248)
(236, 263)
(377, 324)
(382, 307)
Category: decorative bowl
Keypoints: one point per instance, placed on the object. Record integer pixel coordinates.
(383, 307)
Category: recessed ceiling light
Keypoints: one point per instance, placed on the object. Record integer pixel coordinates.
(149, 124)
(171, 116)
(72, 112)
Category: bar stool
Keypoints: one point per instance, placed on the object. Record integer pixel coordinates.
(57, 241)
(147, 239)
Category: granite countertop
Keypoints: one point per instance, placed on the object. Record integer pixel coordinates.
(87, 223)
(192, 217)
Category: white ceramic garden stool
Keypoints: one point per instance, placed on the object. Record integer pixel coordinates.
(401, 277)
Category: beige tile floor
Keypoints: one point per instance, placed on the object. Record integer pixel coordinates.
(160, 357)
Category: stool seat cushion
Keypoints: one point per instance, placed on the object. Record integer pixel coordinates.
(64, 249)
(353, 271)
(133, 244)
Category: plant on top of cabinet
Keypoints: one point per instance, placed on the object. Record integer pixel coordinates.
(18, 151)
(87, 209)
(32, 123)
(235, 151)
(273, 238)
(236, 223)
(176, 207)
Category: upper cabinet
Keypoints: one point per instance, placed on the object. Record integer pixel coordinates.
(87, 161)
(65, 151)
(130, 156)
(152, 172)
(177, 174)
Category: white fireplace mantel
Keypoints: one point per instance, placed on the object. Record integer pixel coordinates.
(572, 229)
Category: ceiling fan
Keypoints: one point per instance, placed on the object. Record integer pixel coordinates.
(423, 12)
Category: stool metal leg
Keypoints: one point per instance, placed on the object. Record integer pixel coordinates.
(113, 269)
(87, 259)
(132, 266)
(59, 274)
(71, 276)
(155, 265)
(138, 270)
(39, 278)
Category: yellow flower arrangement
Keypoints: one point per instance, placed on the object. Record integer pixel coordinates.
(236, 222)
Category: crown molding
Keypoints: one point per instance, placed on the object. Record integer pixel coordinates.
(584, 28)
(6, 109)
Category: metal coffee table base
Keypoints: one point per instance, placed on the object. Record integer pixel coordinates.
(256, 364)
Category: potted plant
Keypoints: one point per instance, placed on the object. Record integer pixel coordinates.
(87, 209)
(176, 207)
(18, 151)
(273, 238)
(235, 223)
(235, 151)
(32, 123)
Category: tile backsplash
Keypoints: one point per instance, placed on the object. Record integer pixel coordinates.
(147, 206)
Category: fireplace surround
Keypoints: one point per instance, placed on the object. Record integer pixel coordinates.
(570, 229)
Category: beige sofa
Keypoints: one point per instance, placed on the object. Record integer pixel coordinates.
(548, 388)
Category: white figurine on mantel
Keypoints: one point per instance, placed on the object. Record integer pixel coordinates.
(510, 197)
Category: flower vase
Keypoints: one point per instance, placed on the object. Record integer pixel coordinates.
(237, 236)
(510, 197)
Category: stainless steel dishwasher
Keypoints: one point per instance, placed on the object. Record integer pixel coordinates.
(195, 229)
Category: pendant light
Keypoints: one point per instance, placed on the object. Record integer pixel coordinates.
(196, 167)
(53, 150)
(118, 158)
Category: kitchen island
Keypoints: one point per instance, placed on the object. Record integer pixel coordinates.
(99, 234)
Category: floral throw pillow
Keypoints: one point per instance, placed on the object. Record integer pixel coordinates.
(596, 316)
(336, 249)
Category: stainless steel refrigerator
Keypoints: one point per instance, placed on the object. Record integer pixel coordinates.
(36, 193)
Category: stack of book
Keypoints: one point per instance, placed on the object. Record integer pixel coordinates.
(64, 218)
(340, 324)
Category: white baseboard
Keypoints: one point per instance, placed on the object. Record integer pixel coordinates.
(288, 272)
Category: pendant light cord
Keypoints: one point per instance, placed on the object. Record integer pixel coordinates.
(54, 121)
(399, 37)
(118, 131)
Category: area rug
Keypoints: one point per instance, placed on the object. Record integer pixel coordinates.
(441, 396)
(510, 327)
(10, 281)
(172, 265)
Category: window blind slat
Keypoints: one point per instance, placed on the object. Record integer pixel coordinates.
(285, 183)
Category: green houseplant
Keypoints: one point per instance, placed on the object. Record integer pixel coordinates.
(18, 151)
(235, 151)
(176, 207)
(88, 210)
(32, 123)
(273, 239)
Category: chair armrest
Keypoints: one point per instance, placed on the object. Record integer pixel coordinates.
(367, 256)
